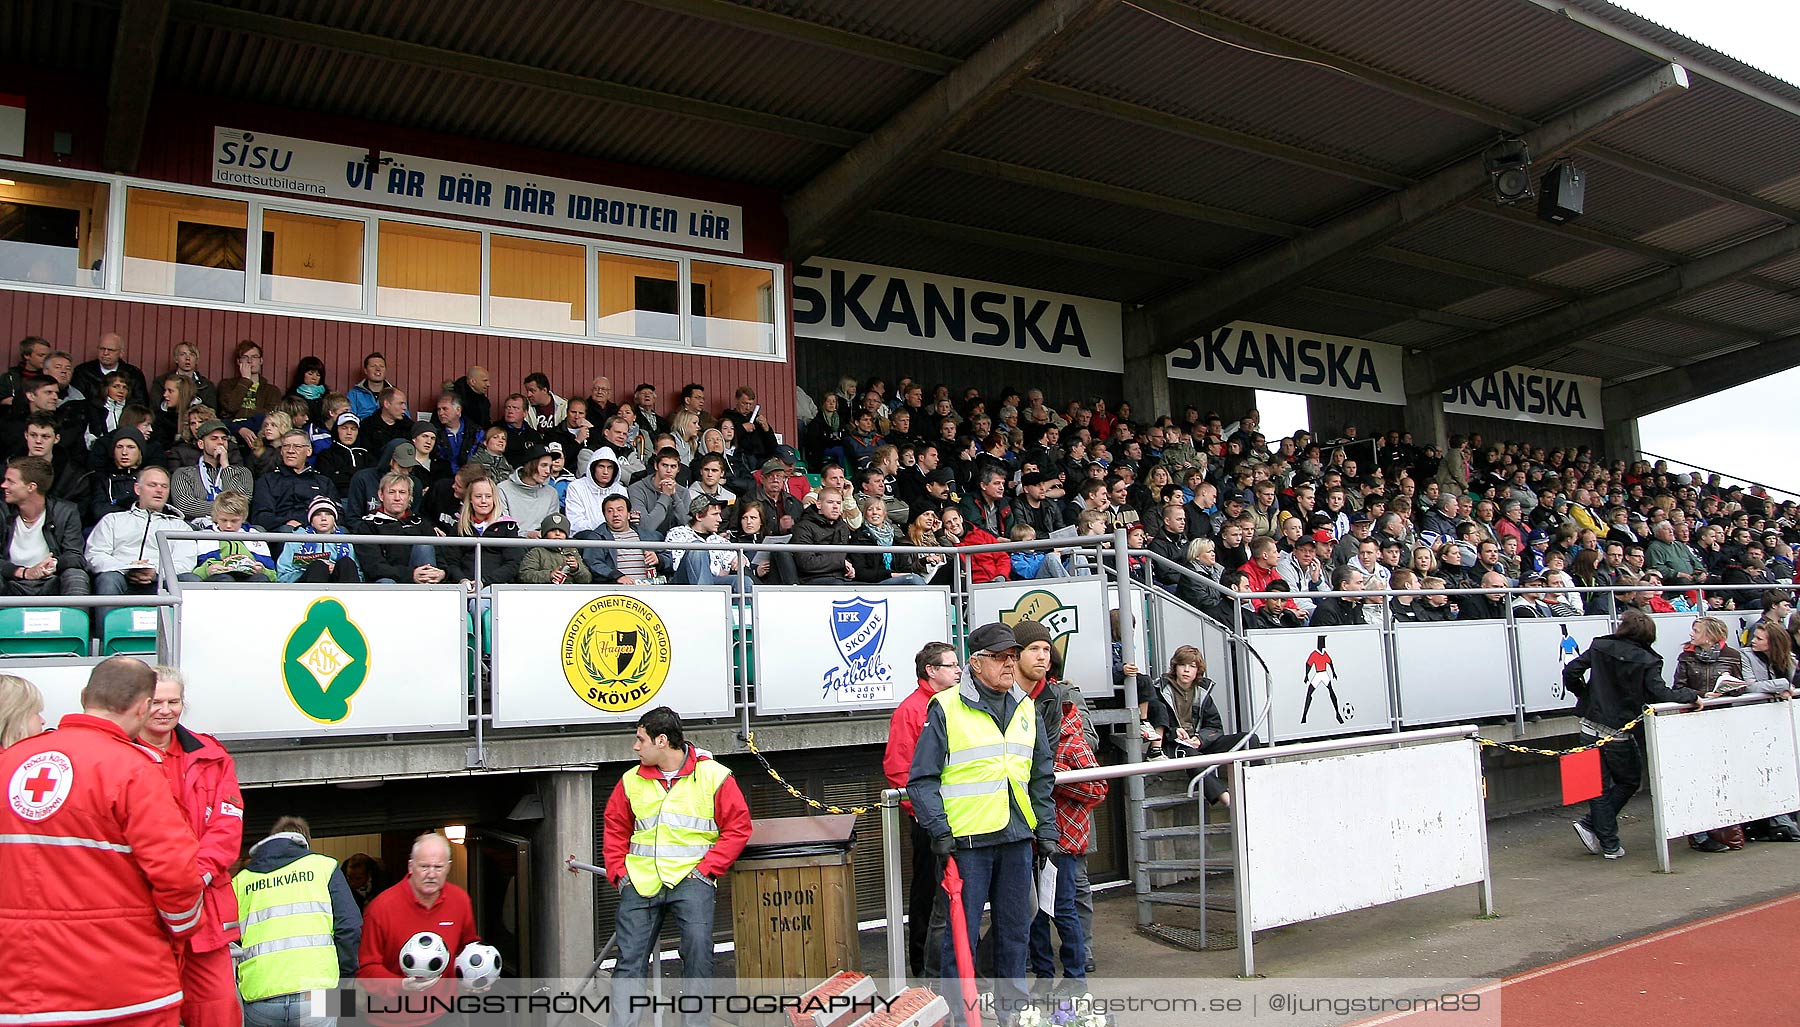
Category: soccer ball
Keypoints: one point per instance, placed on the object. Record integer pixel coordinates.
(424, 956)
(478, 963)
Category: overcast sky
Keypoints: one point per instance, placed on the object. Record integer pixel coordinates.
(1729, 430)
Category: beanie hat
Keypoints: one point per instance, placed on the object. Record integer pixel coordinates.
(1026, 632)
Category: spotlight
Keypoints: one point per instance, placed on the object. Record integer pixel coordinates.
(1508, 164)
(1561, 193)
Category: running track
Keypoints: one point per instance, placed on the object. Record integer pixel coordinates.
(1736, 965)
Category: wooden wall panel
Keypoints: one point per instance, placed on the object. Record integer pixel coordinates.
(419, 360)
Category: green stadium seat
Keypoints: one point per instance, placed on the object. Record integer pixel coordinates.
(44, 631)
(128, 630)
(815, 481)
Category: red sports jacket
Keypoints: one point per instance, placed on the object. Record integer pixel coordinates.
(98, 881)
(204, 778)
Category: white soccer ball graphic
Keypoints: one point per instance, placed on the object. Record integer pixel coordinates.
(478, 963)
(425, 956)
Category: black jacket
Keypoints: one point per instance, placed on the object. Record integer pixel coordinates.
(283, 496)
(339, 463)
(393, 560)
(812, 529)
(1616, 678)
(499, 566)
(62, 535)
(1334, 612)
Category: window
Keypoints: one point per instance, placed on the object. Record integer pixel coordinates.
(52, 231)
(188, 246)
(312, 261)
(638, 297)
(537, 286)
(428, 274)
(739, 308)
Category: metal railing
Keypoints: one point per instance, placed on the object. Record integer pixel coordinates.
(1727, 479)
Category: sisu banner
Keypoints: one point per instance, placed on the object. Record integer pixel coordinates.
(304, 167)
(884, 306)
(1528, 394)
(1287, 360)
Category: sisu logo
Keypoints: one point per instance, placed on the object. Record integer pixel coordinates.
(882, 303)
(859, 629)
(1297, 359)
(1524, 392)
(244, 153)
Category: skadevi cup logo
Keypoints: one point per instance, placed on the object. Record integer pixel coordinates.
(859, 629)
(616, 653)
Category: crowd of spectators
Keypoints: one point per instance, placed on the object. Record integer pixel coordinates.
(103, 458)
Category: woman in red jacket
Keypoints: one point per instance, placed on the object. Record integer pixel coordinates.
(204, 779)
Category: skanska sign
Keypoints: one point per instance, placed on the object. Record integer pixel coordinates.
(884, 306)
(1287, 360)
(1528, 394)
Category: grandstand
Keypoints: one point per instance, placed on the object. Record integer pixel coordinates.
(819, 351)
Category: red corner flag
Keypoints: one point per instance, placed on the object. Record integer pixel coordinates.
(1580, 776)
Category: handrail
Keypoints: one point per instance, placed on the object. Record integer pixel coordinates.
(1654, 457)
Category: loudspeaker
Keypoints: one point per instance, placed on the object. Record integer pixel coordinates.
(1561, 193)
(1508, 164)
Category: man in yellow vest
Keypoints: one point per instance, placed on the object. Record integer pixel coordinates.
(674, 824)
(980, 786)
(300, 928)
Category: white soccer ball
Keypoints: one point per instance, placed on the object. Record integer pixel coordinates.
(424, 956)
(478, 963)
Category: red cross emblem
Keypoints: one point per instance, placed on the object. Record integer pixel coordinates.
(40, 785)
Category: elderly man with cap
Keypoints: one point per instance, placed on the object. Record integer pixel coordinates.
(192, 489)
(980, 787)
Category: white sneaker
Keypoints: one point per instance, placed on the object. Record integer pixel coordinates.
(1589, 840)
(1614, 853)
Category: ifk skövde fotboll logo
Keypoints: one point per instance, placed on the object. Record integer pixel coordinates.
(859, 628)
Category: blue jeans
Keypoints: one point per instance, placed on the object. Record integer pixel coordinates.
(639, 921)
(285, 1011)
(114, 583)
(1068, 927)
(1000, 876)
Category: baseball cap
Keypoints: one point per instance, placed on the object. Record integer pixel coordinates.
(405, 455)
(1360, 517)
(1034, 478)
(553, 447)
(1306, 540)
(992, 638)
(1026, 632)
(700, 504)
(773, 465)
(347, 418)
(941, 476)
(1322, 536)
(554, 522)
(533, 454)
(786, 455)
(208, 427)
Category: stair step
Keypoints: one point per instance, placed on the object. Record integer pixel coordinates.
(1181, 864)
(1192, 899)
(1165, 801)
(1185, 831)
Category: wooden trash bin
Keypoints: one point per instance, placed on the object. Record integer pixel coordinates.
(793, 902)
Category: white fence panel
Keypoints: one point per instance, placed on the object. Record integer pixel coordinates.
(567, 655)
(1325, 683)
(60, 679)
(1335, 833)
(1545, 647)
(1075, 611)
(1672, 630)
(346, 660)
(1723, 766)
(833, 650)
(1181, 626)
(1453, 672)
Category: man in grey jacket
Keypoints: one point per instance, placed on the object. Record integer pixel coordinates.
(655, 500)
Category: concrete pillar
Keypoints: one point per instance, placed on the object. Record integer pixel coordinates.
(1146, 384)
(562, 939)
(1622, 440)
(1424, 410)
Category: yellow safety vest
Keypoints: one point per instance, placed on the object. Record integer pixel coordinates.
(672, 829)
(983, 765)
(287, 938)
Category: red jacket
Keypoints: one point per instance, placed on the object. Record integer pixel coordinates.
(98, 882)
(730, 812)
(985, 566)
(204, 778)
(903, 739)
(389, 920)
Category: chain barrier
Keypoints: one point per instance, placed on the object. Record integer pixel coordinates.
(1617, 734)
(750, 741)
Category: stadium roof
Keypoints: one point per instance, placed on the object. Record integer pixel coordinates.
(1182, 158)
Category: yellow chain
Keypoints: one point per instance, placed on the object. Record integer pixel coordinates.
(1595, 744)
(750, 740)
